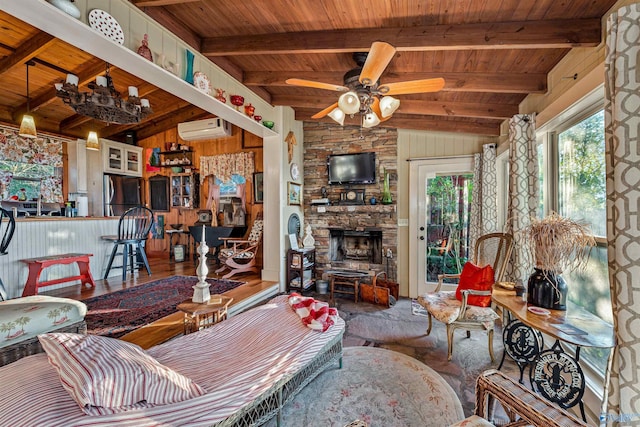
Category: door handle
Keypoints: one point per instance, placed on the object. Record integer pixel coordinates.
(421, 237)
(421, 228)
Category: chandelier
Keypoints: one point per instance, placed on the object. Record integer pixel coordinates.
(103, 102)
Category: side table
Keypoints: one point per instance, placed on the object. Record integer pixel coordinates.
(203, 315)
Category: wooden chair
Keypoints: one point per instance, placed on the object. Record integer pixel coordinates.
(239, 256)
(490, 249)
(7, 235)
(133, 230)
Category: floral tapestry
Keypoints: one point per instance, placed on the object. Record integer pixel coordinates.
(224, 165)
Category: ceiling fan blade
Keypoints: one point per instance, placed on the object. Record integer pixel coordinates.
(377, 60)
(324, 112)
(413, 86)
(317, 85)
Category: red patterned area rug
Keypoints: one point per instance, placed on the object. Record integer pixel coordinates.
(118, 313)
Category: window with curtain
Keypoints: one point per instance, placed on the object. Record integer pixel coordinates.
(572, 177)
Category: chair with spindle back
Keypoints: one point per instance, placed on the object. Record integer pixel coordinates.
(133, 230)
(7, 228)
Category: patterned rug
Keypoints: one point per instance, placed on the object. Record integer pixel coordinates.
(118, 313)
(378, 386)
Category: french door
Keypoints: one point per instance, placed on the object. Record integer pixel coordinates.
(439, 208)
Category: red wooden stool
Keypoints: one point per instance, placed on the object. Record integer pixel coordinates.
(36, 265)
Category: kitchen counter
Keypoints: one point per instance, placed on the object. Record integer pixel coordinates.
(44, 235)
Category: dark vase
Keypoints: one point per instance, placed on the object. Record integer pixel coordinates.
(547, 290)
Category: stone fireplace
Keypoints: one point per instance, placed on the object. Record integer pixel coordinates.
(363, 245)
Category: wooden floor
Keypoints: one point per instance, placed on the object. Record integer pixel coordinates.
(170, 326)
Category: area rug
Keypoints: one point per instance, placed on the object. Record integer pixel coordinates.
(417, 309)
(378, 386)
(118, 313)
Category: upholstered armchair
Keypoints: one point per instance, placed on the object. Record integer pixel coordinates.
(239, 256)
(472, 310)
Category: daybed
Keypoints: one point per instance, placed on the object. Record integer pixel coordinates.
(249, 366)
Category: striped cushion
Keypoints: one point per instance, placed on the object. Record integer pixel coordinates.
(106, 376)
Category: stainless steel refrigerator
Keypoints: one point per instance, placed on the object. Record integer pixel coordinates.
(120, 193)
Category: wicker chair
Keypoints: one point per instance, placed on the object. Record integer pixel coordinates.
(493, 249)
(521, 405)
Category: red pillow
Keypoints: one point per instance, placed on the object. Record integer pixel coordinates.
(478, 279)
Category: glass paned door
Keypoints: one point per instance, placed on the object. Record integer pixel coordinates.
(447, 204)
(439, 209)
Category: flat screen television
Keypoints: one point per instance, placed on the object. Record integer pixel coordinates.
(355, 168)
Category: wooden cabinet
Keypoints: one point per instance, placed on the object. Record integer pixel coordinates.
(121, 158)
(301, 269)
(185, 190)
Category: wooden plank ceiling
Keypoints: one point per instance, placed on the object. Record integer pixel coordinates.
(491, 53)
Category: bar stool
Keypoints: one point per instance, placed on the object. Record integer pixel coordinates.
(133, 230)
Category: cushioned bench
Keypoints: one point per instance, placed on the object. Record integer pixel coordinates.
(22, 319)
(37, 265)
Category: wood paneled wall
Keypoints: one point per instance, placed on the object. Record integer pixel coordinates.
(238, 141)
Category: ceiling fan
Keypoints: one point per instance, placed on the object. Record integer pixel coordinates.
(363, 93)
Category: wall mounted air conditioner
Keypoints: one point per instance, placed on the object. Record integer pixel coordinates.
(204, 129)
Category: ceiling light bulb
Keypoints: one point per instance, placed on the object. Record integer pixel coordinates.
(388, 105)
(337, 115)
(349, 102)
(28, 127)
(92, 141)
(370, 120)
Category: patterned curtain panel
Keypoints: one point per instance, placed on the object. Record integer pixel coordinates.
(225, 165)
(622, 85)
(484, 218)
(523, 191)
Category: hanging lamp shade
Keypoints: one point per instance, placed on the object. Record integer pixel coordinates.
(28, 127)
(92, 141)
(349, 102)
(370, 120)
(338, 115)
(388, 105)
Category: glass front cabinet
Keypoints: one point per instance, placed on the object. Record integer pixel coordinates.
(185, 190)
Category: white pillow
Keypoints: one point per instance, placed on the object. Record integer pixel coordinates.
(106, 376)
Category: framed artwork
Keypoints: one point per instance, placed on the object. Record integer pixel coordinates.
(293, 241)
(258, 194)
(294, 192)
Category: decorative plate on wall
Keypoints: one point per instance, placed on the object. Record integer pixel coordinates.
(107, 25)
(202, 82)
(293, 225)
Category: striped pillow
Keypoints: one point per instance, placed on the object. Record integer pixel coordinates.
(106, 376)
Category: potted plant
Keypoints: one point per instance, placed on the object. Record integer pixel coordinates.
(557, 244)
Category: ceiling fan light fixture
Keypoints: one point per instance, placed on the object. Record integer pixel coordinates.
(92, 141)
(338, 115)
(370, 120)
(388, 105)
(349, 102)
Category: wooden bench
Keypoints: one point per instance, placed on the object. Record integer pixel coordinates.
(36, 265)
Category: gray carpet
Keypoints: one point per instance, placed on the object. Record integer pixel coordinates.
(397, 329)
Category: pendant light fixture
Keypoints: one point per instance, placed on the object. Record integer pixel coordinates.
(92, 141)
(28, 125)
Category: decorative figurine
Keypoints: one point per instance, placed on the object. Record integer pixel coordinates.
(220, 95)
(144, 50)
(249, 110)
(308, 240)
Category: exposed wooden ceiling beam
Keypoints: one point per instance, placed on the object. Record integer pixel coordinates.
(454, 82)
(492, 35)
(403, 121)
(415, 107)
(171, 120)
(26, 51)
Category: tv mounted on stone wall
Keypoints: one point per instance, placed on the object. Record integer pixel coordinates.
(352, 168)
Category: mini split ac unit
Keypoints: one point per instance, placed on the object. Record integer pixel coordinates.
(204, 129)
